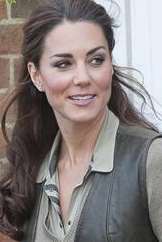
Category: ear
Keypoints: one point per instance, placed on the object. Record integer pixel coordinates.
(35, 76)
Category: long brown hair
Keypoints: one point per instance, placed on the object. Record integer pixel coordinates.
(35, 125)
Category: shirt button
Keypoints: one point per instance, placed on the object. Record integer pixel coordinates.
(69, 222)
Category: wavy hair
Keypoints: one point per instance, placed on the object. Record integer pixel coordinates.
(35, 125)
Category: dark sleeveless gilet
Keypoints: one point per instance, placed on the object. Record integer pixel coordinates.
(116, 208)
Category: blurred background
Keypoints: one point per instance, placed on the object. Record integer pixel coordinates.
(139, 45)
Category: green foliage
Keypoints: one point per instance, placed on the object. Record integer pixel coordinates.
(11, 1)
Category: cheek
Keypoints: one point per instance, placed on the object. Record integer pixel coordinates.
(55, 88)
(105, 80)
(55, 85)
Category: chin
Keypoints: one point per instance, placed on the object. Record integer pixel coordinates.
(84, 117)
(81, 115)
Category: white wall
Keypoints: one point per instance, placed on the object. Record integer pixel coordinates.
(146, 19)
(139, 44)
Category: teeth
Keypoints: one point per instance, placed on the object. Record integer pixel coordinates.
(82, 97)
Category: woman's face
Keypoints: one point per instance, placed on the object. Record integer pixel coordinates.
(76, 71)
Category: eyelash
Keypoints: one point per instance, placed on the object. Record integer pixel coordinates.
(99, 60)
(64, 64)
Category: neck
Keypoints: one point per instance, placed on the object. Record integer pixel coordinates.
(78, 140)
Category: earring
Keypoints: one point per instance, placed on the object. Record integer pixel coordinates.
(39, 86)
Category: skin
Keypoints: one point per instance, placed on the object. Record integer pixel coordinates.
(76, 75)
(82, 73)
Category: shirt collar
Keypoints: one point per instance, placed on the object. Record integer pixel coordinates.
(48, 166)
(103, 155)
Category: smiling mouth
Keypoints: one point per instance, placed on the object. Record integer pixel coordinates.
(82, 100)
(82, 97)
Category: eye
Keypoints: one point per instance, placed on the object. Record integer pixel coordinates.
(63, 64)
(97, 60)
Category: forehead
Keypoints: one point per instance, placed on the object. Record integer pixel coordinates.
(69, 36)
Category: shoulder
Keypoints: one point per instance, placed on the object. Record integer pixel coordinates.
(138, 131)
(155, 152)
(154, 180)
(142, 139)
(154, 165)
(135, 139)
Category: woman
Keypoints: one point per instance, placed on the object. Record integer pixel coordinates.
(85, 164)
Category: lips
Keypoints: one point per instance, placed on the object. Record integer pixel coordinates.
(82, 99)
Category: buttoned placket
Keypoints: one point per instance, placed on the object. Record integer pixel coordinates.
(53, 182)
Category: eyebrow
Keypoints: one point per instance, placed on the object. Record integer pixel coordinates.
(67, 55)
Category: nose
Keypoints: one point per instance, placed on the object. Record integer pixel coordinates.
(82, 76)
